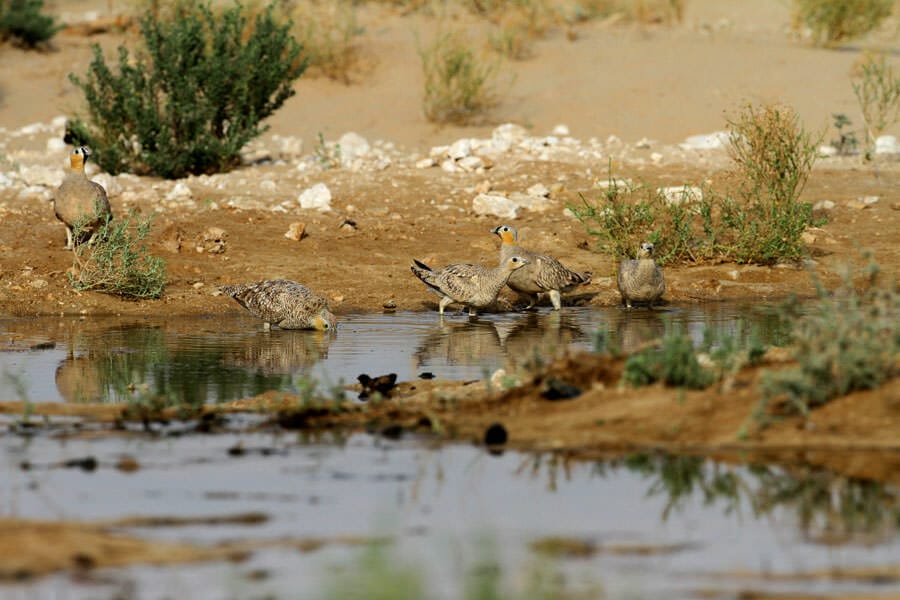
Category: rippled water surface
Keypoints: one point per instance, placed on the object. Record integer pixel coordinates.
(218, 359)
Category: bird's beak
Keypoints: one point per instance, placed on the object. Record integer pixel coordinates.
(495, 230)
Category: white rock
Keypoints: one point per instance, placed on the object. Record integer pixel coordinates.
(680, 194)
(59, 122)
(449, 165)
(706, 141)
(438, 152)
(827, 150)
(36, 192)
(317, 197)
(289, 147)
(55, 144)
(6, 181)
(532, 203)
(425, 163)
(353, 146)
(471, 163)
(41, 175)
(823, 205)
(498, 206)
(561, 130)
(887, 144)
(508, 134)
(538, 189)
(180, 191)
(643, 143)
(460, 149)
(613, 140)
(656, 158)
(267, 185)
(868, 200)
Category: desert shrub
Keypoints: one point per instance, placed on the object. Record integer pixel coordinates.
(23, 22)
(459, 86)
(877, 89)
(849, 340)
(327, 32)
(834, 21)
(118, 262)
(774, 156)
(193, 97)
(674, 363)
(637, 11)
(626, 215)
(846, 141)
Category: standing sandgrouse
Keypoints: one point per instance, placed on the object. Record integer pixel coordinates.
(544, 274)
(641, 280)
(80, 201)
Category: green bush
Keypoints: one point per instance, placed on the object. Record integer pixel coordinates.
(834, 21)
(848, 341)
(674, 363)
(117, 262)
(22, 21)
(761, 223)
(458, 85)
(193, 97)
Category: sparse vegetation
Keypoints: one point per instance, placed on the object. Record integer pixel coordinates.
(118, 262)
(23, 22)
(846, 142)
(193, 97)
(762, 223)
(459, 86)
(877, 89)
(327, 31)
(637, 11)
(674, 363)
(832, 22)
(848, 341)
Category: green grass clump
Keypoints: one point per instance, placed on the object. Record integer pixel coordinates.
(832, 22)
(774, 156)
(192, 97)
(674, 363)
(877, 89)
(459, 86)
(118, 262)
(22, 22)
(761, 222)
(849, 341)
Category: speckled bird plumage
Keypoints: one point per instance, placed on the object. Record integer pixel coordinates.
(78, 198)
(474, 286)
(543, 274)
(284, 303)
(641, 280)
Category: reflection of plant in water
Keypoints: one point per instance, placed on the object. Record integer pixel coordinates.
(678, 477)
(18, 382)
(830, 507)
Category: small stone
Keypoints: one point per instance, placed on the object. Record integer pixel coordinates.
(538, 189)
(643, 143)
(706, 141)
(389, 305)
(353, 147)
(450, 166)
(471, 163)
(348, 225)
(857, 203)
(296, 231)
(887, 144)
(197, 285)
(827, 151)
(180, 191)
(38, 283)
(425, 163)
(317, 197)
(681, 194)
(460, 149)
(338, 298)
(495, 205)
(808, 238)
(561, 130)
(212, 240)
(823, 205)
(869, 200)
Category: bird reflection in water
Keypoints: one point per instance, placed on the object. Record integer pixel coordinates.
(541, 336)
(460, 344)
(277, 352)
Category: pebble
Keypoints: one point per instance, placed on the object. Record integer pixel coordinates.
(680, 194)
(495, 205)
(823, 205)
(296, 231)
(316, 197)
(706, 141)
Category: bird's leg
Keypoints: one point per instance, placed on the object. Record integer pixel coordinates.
(69, 238)
(473, 312)
(555, 299)
(445, 301)
(267, 326)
